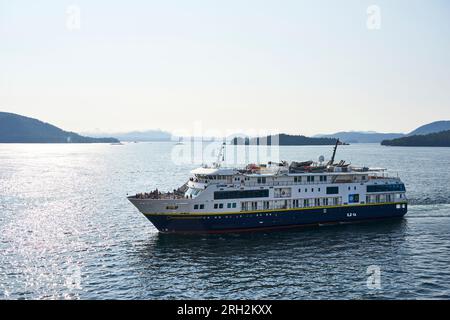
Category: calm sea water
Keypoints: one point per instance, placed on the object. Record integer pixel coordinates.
(68, 232)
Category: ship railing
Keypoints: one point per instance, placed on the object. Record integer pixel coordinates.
(271, 184)
(336, 180)
(386, 177)
(161, 196)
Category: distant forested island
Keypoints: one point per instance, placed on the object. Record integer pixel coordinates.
(361, 137)
(431, 134)
(377, 137)
(439, 139)
(283, 140)
(15, 128)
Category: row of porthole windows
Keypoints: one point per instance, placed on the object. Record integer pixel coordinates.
(264, 215)
(238, 178)
(311, 178)
(229, 205)
(240, 216)
(216, 206)
(306, 190)
(220, 217)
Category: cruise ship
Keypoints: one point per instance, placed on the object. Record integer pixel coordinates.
(269, 196)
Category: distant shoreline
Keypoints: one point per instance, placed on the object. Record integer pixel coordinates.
(438, 139)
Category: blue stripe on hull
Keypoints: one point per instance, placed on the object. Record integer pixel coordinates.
(273, 220)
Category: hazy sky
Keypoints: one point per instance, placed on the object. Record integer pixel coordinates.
(293, 66)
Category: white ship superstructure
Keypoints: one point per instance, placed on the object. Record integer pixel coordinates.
(274, 195)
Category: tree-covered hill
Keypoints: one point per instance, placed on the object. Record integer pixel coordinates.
(440, 139)
(15, 128)
(284, 140)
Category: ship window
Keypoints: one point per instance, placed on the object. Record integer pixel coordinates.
(222, 195)
(318, 189)
(282, 192)
(332, 190)
(216, 206)
(202, 206)
(221, 206)
(295, 179)
(196, 207)
(388, 187)
(228, 205)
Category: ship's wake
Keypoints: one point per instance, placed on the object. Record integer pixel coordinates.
(429, 210)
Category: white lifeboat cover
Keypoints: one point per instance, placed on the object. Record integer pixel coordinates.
(214, 171)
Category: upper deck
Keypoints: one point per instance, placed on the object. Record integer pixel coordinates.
(284, 174)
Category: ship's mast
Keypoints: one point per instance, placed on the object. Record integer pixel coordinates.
(221, 155)
(334, 153)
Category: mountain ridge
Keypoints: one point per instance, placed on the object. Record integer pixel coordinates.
(141, 136)
(15, 128)
(378, 137)
(432, 127)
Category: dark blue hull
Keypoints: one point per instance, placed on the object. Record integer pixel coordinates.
(265, 220)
